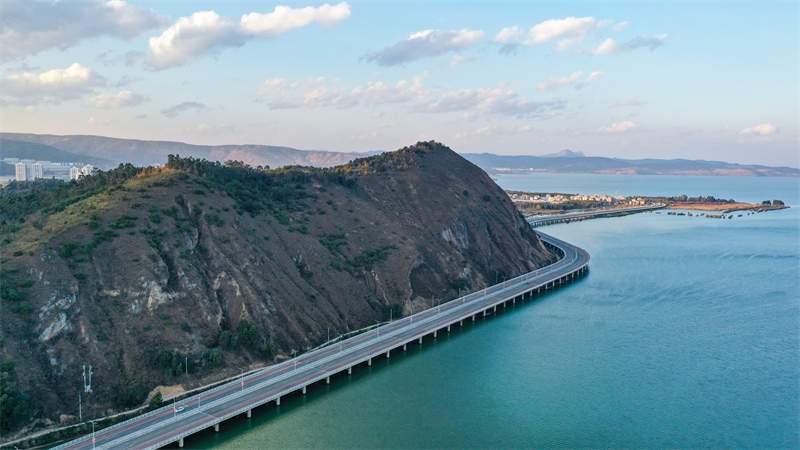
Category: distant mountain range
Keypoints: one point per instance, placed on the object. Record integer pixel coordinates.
(107, 152)
(147, 153)
(567, 161)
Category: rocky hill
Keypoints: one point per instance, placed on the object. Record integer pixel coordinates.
(143, 272)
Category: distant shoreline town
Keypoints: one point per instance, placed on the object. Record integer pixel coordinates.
(535, 203)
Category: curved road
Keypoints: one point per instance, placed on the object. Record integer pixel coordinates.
(166, 425)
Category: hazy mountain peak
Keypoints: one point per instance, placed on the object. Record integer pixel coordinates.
(567, 153)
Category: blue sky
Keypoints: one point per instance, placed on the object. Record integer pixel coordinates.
(711, 80)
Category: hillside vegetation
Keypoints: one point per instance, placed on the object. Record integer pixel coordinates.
(180, 275)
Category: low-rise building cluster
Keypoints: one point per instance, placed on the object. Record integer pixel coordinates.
(558, 198)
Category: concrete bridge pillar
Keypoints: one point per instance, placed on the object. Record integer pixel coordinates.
(327, 380)
(278, 401)
(473, 317)
(304, 390)
(420, 340)
(250, 412)
(369, 362)
(484, 313)
(434, 333)
(180, 443)
(404, 347)
(448, 328)
(216, 427)
(461, 323)
(350, 370)
(495, 308)
(387, 354)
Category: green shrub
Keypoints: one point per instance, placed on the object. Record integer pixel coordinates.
(226, 339)
(124, 221)
(66, 250)
(157, 401)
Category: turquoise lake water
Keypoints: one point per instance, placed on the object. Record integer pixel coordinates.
(685, 333)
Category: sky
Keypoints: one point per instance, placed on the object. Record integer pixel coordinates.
(694, 80)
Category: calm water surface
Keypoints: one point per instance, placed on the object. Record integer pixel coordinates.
(685, 333)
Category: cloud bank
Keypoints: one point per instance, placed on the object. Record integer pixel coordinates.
(52, 86)
(32, 27)
(206, 31)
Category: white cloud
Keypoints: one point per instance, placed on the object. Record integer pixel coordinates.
(761, 130)
(554, 83)
(509, 33)
(487, 130)
(594, 76)
(572, 80)
(425, 44)
(190, 37)
(94, 122)
(459, 58)
(491, 130)
(366, 136)
(317, 92)
(628, 102)
(206, 31)
(567, 31)
(52, 86)
(620, 26)
(121, 99)
(492, 100)
(215, 129)
(619, 127)
(31, 27)
(611, 47)
(173, 111)
(608, 47)
(284, 19)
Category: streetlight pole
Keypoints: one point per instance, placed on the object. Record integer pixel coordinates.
(241, 377)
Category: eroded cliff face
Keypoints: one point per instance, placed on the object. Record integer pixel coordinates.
(182, 273)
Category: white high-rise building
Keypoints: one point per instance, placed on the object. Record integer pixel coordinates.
(22, 172)
(38, 171)
(74, 173)
(87, 170)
